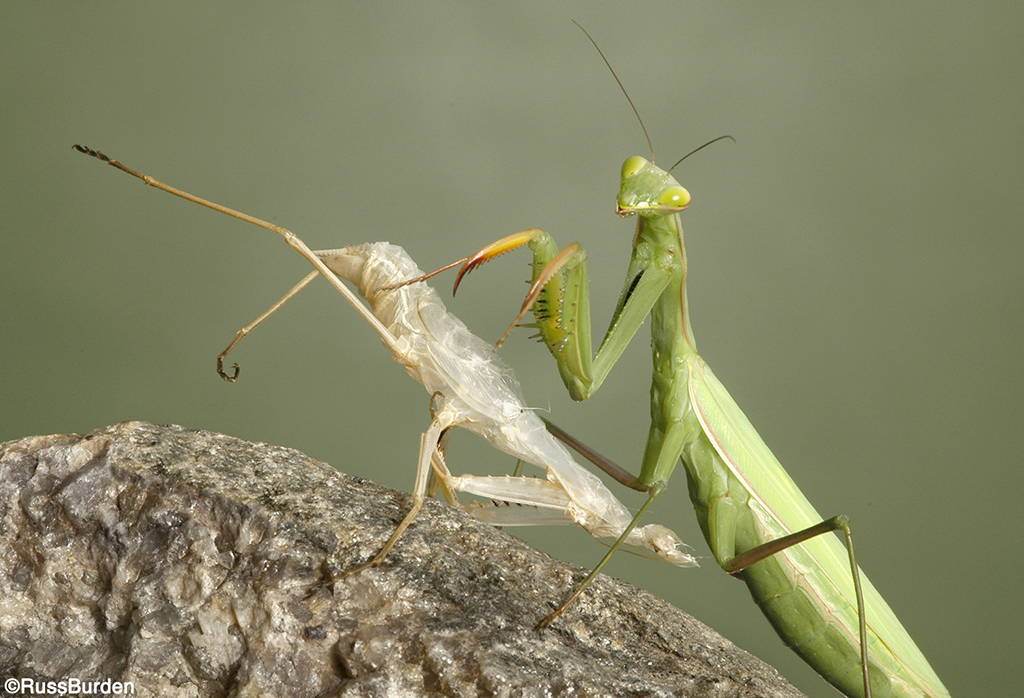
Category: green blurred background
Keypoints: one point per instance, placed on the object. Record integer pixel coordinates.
(854, 258)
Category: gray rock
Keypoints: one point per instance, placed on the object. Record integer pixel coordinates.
(195, 564)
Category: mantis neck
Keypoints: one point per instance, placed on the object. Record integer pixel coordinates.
(671, 334)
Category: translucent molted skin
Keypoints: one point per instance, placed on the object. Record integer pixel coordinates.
(473, 388)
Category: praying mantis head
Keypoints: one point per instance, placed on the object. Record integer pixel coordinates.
(649, 191)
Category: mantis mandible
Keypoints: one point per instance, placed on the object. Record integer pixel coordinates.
(470, 387)
(758, 524)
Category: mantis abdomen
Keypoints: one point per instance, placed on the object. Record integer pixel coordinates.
(806, 590)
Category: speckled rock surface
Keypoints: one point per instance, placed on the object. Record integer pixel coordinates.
(195, 564)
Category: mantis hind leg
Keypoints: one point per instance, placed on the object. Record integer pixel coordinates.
(841, 522)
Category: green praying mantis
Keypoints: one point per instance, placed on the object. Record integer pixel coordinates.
(758, 524)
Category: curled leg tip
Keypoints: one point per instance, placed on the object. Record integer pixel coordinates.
(223, 374)
(90, 151)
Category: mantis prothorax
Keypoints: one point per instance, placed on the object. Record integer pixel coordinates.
(471, 387)
(758, 524)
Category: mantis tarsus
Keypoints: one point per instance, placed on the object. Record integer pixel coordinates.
(758, 524)
(471, 387)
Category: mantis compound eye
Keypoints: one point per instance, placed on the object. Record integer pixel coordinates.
(633, 165)
(675, 197)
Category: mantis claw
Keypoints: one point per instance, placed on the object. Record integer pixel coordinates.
(223, 374)
(495, 249)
